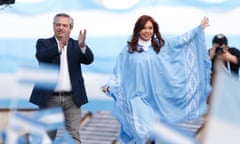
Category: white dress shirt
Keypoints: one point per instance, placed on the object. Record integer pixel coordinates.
(63, 83)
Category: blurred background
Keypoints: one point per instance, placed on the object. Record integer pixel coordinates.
(109, 24)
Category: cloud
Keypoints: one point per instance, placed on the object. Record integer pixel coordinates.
(172, 19)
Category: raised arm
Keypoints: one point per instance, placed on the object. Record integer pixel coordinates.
(183, 39)
(205, 22)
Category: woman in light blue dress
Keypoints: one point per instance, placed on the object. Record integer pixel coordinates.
(156, 79)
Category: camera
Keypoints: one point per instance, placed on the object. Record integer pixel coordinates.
(219, 50)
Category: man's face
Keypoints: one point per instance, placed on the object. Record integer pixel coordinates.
(62, 27)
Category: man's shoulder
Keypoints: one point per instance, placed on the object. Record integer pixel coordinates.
(46, 40)
(234, 50)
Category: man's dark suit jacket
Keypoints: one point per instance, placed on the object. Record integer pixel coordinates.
(47, 52)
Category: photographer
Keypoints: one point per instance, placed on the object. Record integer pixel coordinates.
(230, 56)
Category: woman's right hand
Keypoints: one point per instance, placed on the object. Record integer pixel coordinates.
(105, 88)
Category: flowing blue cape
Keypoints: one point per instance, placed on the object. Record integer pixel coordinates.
(172, 85)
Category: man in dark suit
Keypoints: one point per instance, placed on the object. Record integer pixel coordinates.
(68, 54)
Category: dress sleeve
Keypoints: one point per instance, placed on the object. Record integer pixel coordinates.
(187, 37)
(114, 80)
(187, 57)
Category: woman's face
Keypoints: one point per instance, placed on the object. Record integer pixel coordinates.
(147, 32)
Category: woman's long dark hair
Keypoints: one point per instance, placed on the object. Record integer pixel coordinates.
(157, 42)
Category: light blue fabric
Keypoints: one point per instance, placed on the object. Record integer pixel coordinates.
(36, 125)
(172, 85)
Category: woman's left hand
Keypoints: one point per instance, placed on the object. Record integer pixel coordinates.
(205, 22)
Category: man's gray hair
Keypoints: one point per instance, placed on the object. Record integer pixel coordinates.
(63, 15)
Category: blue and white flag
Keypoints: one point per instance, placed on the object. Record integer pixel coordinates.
(33, 128)
(43, 76)
(223, 124)
(169, 133)
(52, 118)
(23, 128)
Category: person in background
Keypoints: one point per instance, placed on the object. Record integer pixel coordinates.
(230, 56)
(155, 78)
(68, 54)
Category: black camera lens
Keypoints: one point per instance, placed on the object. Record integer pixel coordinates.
(219, 50)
